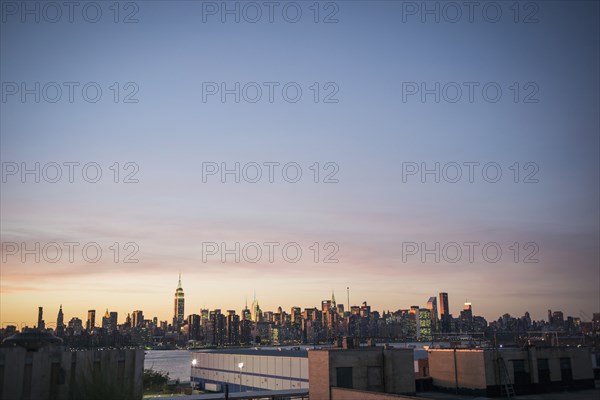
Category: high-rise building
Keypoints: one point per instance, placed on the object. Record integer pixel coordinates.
(233, 328)
(558, 319)
(75, 326)
(41, 325)
(432, 307)
(179, 303)
(113, 320)
(109, 321)
(91, 321)
(137, 319)
(60, 322)
(466, 318)
(424, 326)
(194, 327)
(445, 317)
(256, 311)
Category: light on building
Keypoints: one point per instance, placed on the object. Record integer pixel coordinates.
(194, 362)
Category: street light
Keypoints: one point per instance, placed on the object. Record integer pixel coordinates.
(241, 366)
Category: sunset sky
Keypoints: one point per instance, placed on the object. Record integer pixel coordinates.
(369, 133)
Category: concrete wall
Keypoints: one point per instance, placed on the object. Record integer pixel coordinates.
(468, 368)
(56, 374)
(259, 372)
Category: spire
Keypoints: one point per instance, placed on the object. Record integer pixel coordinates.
(332, 296)
(179, 284)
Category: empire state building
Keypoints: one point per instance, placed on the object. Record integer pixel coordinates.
(178, 306)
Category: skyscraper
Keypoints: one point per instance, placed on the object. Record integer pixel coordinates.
(138, 319)
(432, 307)
(41, 325)
(178, 306)
(256, 311)
(60, 322)
(91, 321)
(444, 313)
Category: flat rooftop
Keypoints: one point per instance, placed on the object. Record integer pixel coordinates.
(259, 352)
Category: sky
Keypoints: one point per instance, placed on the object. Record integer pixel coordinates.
(367, 115)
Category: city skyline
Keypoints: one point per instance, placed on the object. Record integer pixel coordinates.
(460, 306)
(379, 112)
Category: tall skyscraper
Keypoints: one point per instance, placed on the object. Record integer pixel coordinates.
(60, 322)
(91, 321)
(138, 319)
(179, 303)
(444, 313)
(41, 325)
(432, 307)
(256, 311)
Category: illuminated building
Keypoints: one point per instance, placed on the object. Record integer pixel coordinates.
(445, 317)
(178, 306)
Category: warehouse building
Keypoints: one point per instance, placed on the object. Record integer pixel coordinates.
(249, 369)
(353, 372)
(498, 372)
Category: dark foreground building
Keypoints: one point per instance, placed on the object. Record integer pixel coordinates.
(496, 372)
(34, 365)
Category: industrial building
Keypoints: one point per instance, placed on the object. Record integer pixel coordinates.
(34, 365)
(249, 369)
(352, 372)
(498, 372)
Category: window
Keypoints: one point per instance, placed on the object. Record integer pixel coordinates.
(344, 377)
(565, 370)
(543, 370)
(521, 377)
(374, 378)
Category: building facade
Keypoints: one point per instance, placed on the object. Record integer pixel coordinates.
(491, 372)
(250, 370)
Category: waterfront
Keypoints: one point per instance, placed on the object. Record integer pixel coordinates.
(175, 362)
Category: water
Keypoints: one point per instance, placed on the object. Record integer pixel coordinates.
(178, 362)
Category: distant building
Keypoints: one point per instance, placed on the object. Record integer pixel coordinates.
(432, 306)
(425, 322)
(75, 326)
(109, 321)
(138, 319)
(490, 372)
(41, 325)
(194, 327)
(445, 316)
(60, 322)
(178, 306)
(91, 321)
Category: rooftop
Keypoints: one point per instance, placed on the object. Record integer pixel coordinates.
(299, 352)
